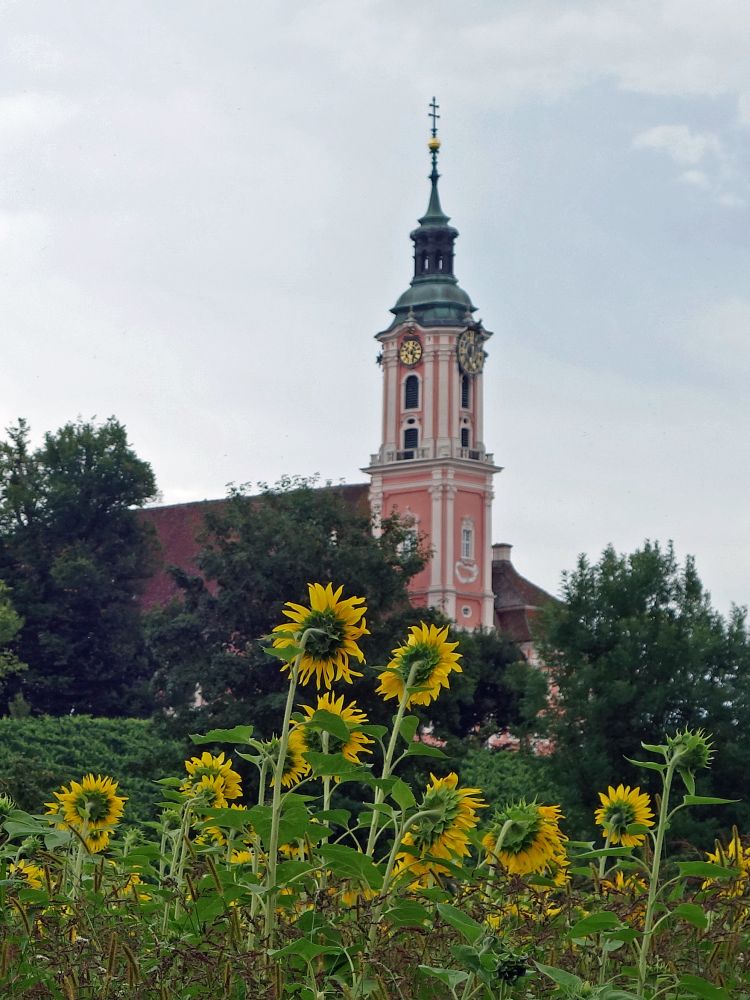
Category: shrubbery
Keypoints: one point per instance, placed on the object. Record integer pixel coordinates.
(37, 754)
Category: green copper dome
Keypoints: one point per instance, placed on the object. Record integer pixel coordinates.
(434, 297)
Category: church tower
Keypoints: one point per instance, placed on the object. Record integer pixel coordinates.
(432, 467)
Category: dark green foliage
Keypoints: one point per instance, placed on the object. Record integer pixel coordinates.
(39, 754)
(505, 776)
(638, 652)
(11, 624)
(263, 551)
(75, 557)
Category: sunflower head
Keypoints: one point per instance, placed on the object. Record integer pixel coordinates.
(93, 802)
(208, 792)
(423, 663)
(691, 749)
(353, 719)
(295, 766)
(734, 855)
(29, 873)
(443, 832)
(212, 766)
(327, 631)
(7, 805)
(620, 808)
(525, 837)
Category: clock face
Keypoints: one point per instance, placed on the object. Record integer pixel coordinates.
(410, 351)
(470, 351)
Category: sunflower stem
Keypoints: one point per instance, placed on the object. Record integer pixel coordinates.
(388, 876)
(273, 844)
(648, 923)
(388, 759)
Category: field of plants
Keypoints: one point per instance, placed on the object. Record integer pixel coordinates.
(420, 893)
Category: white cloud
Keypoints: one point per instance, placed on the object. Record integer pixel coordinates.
(696, 177)
(29, 114)
(684, 146)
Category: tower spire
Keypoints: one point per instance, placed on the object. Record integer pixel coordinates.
(434, 296)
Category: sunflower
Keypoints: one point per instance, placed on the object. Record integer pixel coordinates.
(433, 657)
(734, 855)
(531, 839)
(624, 885)
(91, 807)
(208, 792)
(444, 834)
(32, 874)
(212, 766)
(295, 766)
(351, 715)
(330, 629)
(241, 857)
(621, 807)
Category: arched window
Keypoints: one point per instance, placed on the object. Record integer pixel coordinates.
(425, 262)
(411, 393)
(464, 437)
(411, 438)
(465, 390)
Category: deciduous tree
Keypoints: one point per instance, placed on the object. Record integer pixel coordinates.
(75, 556)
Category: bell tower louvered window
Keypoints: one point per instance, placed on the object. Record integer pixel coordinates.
(411, 393)
(411, 438)
(465, 391)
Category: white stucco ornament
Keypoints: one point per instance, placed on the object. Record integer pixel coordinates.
(466, 572)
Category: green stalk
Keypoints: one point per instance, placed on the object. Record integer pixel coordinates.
(648, 924)
(388, 760)
(273, 846)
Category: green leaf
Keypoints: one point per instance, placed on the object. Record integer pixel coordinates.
(451, 977)
(606, 852)
(422, 750)
(407, 913)
(649, 764)
(595, 923)
(704, 869)
(692, 913)
(700, 987)
(328, 722)
(239, 734)
(308, 950)
(286, 653)
(565, 979)
(348, 863)
(234, 819)
(332, 765)
(706, 800)
(377, 732)
(461, 922)
(655, 747)
(408, 728)
(402, 794)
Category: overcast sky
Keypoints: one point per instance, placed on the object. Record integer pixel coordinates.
(204, 219)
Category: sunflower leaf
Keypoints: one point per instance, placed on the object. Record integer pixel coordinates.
(650, 764)
(595, 923)
(700, 987)
(451, 977)
(286, 653)
(240, 734)
(704, 869)
(408, 728)
(692, 913)
(402, 794)
(422, 750)
(565, 979)
(462, 922)
(329, 722)
(705, 800)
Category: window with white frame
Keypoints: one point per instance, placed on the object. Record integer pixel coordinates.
(467, 539)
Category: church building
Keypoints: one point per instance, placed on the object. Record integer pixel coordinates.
(432, 466)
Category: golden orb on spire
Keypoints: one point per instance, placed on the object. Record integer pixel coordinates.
(433, 144)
